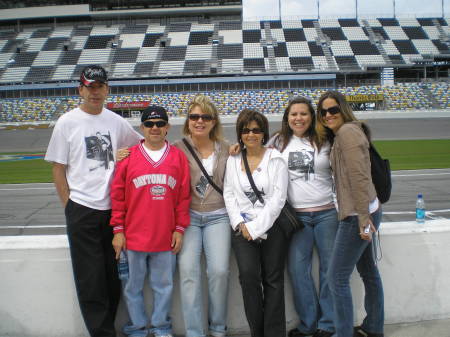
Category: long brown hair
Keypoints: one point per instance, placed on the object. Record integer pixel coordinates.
(284, 135)
(346, 112)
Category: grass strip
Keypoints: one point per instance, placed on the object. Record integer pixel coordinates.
(402, 154)
(415, 154)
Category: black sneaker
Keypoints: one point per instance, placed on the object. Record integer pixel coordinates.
(360, 332)
(323, 333)
(297, 333)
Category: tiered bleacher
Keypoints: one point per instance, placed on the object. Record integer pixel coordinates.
(189, 48)
(398, 97)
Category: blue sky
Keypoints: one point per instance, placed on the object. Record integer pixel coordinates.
(343, 8)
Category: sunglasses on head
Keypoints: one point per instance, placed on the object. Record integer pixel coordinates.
(159, 124)
(332, 111)
(256, 131)
(205, 118)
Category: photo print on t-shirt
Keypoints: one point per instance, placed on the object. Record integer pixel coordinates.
(252, 195)
(301, 163)
(202, 185)
(99, 150)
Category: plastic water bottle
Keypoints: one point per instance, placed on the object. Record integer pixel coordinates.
(122, 266)
(420, 209)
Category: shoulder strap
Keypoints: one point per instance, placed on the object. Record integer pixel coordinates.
(250, 178)
(200, 165)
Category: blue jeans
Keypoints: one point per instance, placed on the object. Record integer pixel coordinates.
(161, 269)
(211, 234)
(315, 312)
(351, 250)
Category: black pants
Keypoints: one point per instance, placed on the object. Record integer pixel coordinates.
(261, 274)
(94, 267)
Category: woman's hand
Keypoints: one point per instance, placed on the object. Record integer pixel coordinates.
(234, 149)
(122, 154)
(365, 231)
(245, 232)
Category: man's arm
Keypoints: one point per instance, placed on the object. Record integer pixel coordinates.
(60, 181)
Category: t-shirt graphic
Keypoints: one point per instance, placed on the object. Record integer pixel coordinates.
(252, 195)
(99, 149)
(202, 185)
(302, 164)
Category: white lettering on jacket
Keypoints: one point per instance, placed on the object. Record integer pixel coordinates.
(148, 179)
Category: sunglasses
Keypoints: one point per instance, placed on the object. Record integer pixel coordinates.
(150, 124)
(256, 131)
(332, 111)
(205, 118)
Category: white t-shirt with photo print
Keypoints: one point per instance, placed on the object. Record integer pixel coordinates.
(310, 181)
(87, 144)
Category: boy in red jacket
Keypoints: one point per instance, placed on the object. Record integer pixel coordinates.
(150, 197)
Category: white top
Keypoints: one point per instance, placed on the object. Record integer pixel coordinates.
(310, 180)
(87, 144)
(156, 155)
(208, 164)
(271, 178)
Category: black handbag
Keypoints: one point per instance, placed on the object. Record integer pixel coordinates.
(287, 220)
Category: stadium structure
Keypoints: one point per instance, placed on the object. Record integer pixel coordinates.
(165, 52)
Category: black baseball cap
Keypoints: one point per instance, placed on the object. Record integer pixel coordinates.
(93, 73)
(154, 112)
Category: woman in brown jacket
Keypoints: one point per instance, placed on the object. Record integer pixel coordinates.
(359, 213)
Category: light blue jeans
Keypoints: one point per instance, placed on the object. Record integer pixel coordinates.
(161, 269)
(350, 251)
(211, 234)
(315, 311)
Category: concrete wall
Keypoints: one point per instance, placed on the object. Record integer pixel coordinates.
(38, 298)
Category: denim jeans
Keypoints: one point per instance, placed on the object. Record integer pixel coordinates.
(350, 250)
(161, 268)
(211, 234)
(315, 312)
(261, 274)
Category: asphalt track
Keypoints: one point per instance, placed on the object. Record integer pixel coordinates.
(35, 209)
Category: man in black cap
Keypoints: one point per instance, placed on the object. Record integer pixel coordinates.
(150, 198)
(82, 174)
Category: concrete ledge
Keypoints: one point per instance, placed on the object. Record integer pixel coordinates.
(38, 295)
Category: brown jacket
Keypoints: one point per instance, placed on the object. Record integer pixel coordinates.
(350, 162)
(212, 200)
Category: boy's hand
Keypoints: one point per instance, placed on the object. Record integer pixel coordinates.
(119, 243)
(177, 242)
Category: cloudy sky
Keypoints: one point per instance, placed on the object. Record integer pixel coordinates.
(343, 8)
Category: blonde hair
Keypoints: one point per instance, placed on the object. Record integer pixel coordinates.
(207, 106)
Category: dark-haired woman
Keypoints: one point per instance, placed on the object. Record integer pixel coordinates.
(359, 213)
(259, 244)
(310, 193)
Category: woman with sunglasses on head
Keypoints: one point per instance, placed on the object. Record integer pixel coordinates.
(259, 244)
(359, 213)
(209, 231)
(310, 193)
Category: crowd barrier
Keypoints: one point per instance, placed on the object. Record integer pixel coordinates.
(38, 296)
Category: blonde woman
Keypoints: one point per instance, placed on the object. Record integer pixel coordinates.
(209, 232)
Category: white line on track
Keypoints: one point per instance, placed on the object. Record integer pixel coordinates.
(420, 174)
(413, 212)
(27, 188)
(32, 227)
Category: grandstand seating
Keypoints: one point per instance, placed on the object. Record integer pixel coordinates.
(397, 97)
(183, 49)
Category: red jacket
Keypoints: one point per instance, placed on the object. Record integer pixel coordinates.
(150, 200)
